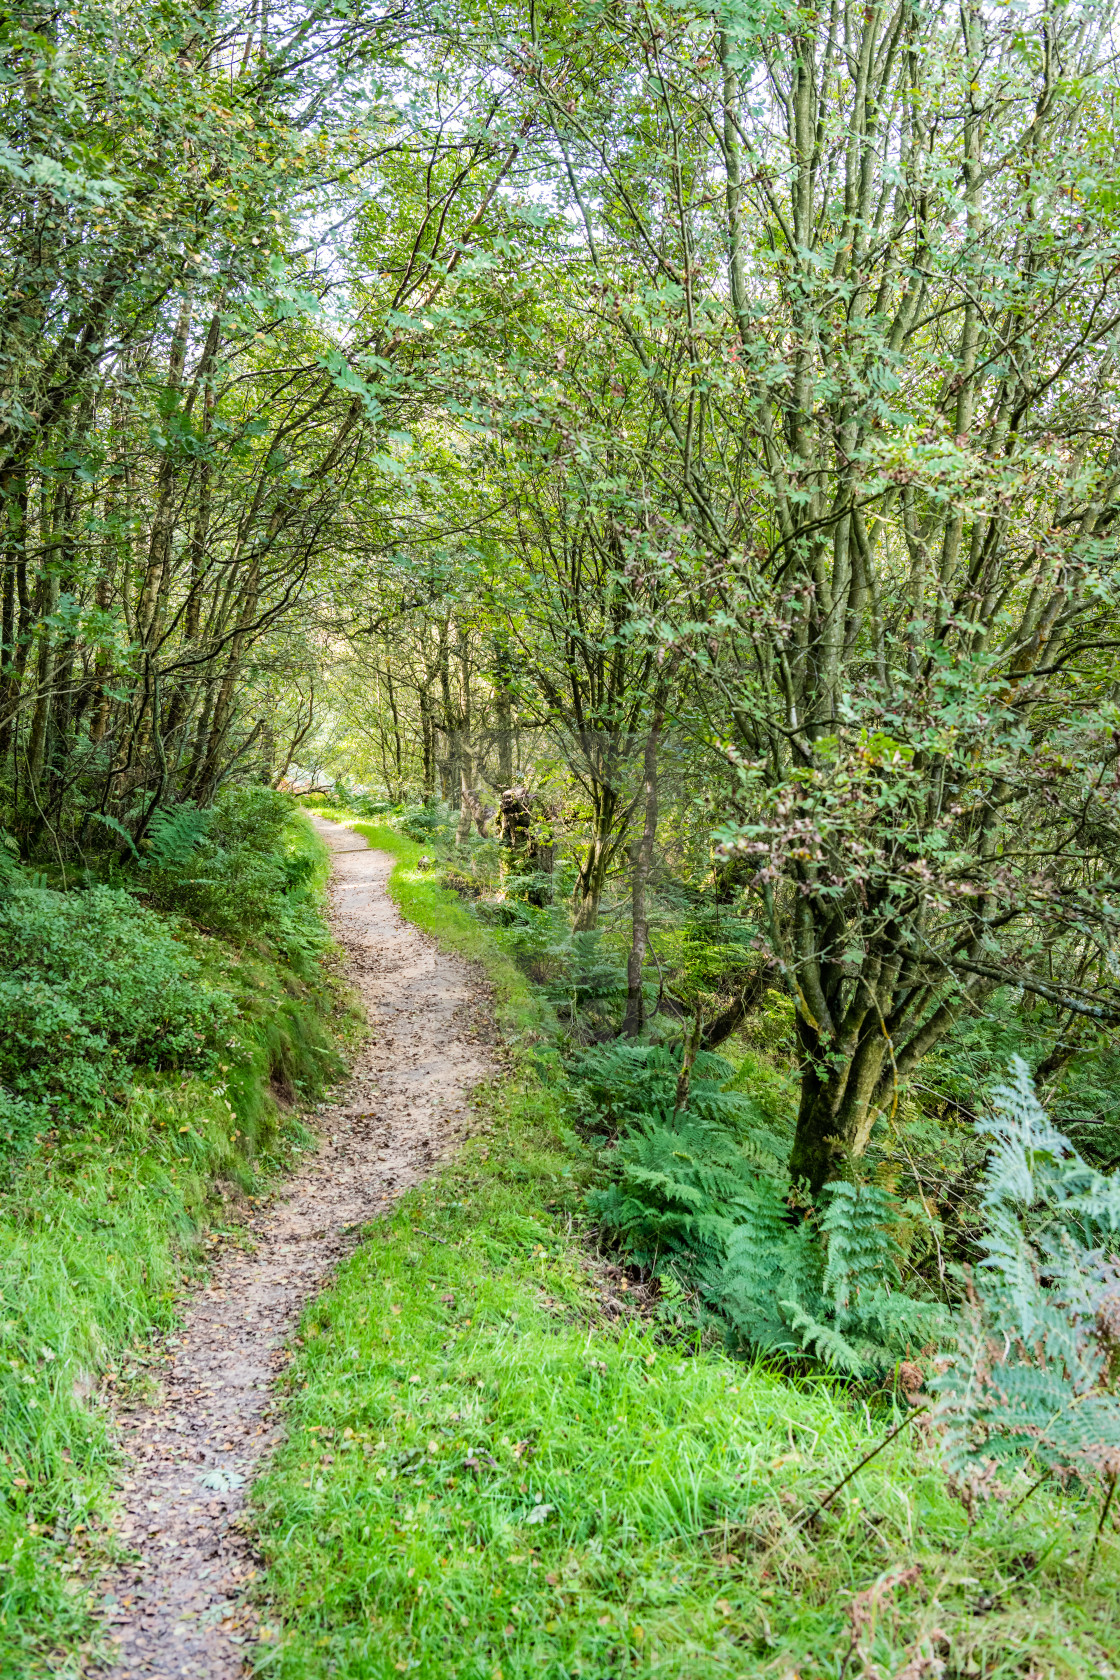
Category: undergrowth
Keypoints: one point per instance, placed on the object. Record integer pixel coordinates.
(497, 1468)
(701, 1193)
(142, 1136)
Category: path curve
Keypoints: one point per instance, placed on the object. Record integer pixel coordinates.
(182, 1611)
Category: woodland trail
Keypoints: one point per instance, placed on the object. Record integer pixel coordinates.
(182, 1609)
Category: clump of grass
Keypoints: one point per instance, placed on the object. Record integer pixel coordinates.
(486, 1476)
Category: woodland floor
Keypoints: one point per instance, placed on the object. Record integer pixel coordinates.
(181, 1607)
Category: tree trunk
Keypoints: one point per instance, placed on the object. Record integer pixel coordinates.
(157, 573)
(300, 732)
(597, 861)
(839, 1108)
(448, 768)
(225, 707)
(688, 1058)
(463, 827)
(396, 729)
(641, 860)
(36, 746)
(427, 744)
(730, 1019)
(13, 507)
(503, 712)
(468, 804)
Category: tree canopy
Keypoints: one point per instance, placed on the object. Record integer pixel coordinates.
(681, 440)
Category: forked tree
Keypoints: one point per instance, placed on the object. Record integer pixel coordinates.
(865, 264)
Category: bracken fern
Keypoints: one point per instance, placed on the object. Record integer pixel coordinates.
(703, 1191)
(1033, 1376)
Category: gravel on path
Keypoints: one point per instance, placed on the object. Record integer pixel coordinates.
(182, 1609)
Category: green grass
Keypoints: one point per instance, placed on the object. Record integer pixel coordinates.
(461, 1376)
(101, 1229)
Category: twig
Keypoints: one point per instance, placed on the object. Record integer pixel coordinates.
(1019, 1503)
(45, 820)
(856, 1468)
(660, 975)
(1100, 1526)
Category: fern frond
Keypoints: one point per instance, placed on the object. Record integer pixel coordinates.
(1031, 1373)
(175, 835)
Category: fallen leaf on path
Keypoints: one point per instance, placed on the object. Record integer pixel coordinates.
(221, 1481)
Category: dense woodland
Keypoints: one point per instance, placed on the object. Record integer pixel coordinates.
(665, 462)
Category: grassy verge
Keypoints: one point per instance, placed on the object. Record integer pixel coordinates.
(488, 1477)
(101, 1226)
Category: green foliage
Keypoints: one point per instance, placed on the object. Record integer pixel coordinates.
(964, 1073)
(585, 976)
(854, 1313)
(101, 1213)
(99, 992)
(620, 1082)
(175, 835)
(94, 987)
(9, 861)
(771, 1264)
(484, 1472)
(716, 957)
(341, 798)
(106, 820)
(701, 1190)
(245, 871)
(431, 824)
(1034, 1378)
(679, 1186)
(829, 1287)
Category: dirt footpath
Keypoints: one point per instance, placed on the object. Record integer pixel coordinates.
(181, 1610)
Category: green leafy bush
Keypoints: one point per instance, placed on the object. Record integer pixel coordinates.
(430, 824)
(243, 871)
(829, 1284)
(94, 985)
(342, 797)
(586, 976)
(716, 955)
(621, 1083)
(681, 1185)
(175, 835)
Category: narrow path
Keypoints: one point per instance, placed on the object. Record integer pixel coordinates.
(181, 1611)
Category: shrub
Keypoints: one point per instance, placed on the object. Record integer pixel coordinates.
(175, 835)
(828, 1284)
(588, 977)
(243, 871)
(431, 824)
(622, 1082)
(94, 984)
(681, 1183)
(703, 1192)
